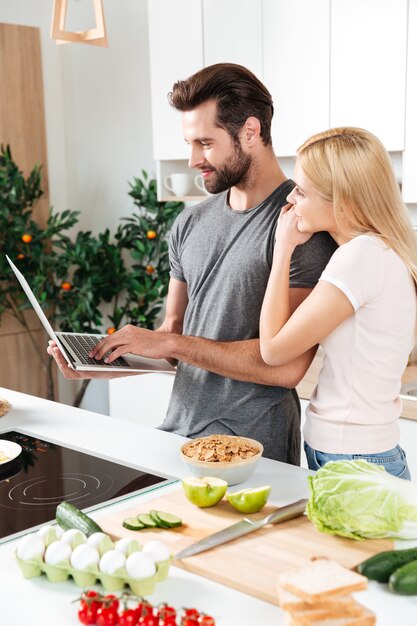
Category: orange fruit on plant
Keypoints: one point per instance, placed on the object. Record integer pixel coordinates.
(150, 269)
(65, 286)
(26, 238)
(151, 234)
(20, 256)
(111, 330)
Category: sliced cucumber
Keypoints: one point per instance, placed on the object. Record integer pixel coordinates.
(146, 520)
(155, 517)
(168, 520)
(68, 516)
(132, 523)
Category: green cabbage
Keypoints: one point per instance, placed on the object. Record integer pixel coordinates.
(359, 500)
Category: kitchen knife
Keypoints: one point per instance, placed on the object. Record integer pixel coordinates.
(244, 527)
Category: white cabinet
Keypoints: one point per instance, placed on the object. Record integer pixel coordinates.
(410, 153)
(175, 45)
(296, 39)
(233, 33)
(368, 67)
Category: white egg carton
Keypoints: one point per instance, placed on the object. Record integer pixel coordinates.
(33, 548)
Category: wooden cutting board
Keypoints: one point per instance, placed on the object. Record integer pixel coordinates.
(252, 563)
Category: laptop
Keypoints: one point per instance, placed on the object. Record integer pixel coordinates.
(76, 346)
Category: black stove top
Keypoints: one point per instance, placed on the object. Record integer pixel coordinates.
(44, 474)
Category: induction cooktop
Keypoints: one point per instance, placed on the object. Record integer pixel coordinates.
(45, 473)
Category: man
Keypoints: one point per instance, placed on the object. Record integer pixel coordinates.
(220, 255)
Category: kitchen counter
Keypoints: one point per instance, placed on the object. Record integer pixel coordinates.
(307, 385)
(44, 603)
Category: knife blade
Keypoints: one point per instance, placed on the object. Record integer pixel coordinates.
(242, 528)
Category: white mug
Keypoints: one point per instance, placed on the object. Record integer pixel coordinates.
(179, 184)
(199, 183)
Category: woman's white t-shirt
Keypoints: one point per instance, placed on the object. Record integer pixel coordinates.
(355, 406)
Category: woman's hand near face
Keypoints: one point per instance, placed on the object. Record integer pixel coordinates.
(287, 233)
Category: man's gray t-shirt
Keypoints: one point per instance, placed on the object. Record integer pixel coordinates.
(225, 257)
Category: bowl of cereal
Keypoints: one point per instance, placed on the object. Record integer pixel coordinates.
(224, 456)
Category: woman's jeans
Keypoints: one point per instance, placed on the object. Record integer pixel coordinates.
(394, 460)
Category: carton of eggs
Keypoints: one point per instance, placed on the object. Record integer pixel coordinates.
(96, 558)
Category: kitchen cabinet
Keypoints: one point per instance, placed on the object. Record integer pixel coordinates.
(410, 153)
(368, 67)
(296, 39)
(175, 47)
(233, 35)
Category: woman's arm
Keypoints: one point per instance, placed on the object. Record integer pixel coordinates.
(284, 336)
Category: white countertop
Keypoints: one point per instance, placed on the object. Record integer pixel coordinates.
(45, 604)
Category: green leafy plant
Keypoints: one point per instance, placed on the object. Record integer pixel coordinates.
(83, 280)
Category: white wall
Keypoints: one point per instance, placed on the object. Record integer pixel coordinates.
(98, 118)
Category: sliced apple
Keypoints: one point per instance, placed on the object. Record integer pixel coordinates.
(249, 500)
(204, 492)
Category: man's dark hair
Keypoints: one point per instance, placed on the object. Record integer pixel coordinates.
(237, 92)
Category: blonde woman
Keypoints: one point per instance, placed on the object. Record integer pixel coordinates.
(363, 309)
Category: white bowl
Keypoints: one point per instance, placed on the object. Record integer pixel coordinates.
(233, 472)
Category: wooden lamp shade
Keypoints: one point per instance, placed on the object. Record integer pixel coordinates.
(94, 36)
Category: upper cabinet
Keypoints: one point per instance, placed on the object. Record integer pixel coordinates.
(326, 63)
(368, 67)
(233, 33)
(296, 40)
(175, 43)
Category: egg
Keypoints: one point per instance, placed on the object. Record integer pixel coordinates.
(139, 566)
(95, 540)
(83, 556)
(49, 534)
(57, 552)
(111, 561)
(127, 545)
(157, 550)
(30, 547)
(73, 537)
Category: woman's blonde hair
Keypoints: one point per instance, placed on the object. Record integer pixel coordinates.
(351, 168)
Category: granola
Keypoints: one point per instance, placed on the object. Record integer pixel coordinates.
(220, 449)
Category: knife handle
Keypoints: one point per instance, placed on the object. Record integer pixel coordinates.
(286, 512)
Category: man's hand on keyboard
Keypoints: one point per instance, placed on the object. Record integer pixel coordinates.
(72, 374)
(140, 341)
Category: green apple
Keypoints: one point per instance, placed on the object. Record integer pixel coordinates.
(249, 500)
(205, 491)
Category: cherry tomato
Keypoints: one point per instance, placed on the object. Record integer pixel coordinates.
(185, 612)
(165, 611)
(110, 601)
(128, 617)
(190, 621)
(27, 238)
(149, 620)
(144, 608)
(107, 616)
(168, 621)
(65, 286)
(151, 234)
(90, 602)
(207, 620)
(87, 614)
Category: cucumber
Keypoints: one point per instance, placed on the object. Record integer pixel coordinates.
(168, 520)
(146, 520)
(156, 519)
(380, 566)
(404, 579)
(68, 516)
(132, 523)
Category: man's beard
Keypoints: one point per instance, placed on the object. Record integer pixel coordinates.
(234, 171)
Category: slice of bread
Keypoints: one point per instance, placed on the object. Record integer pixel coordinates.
(322, 579)
(290, 602)
(344, 606)
(366, 619)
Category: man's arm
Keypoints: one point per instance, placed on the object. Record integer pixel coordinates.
(240, 360)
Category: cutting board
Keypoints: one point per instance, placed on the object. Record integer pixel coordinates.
(252, 563)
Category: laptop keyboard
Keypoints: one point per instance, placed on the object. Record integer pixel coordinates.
(82, 344)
